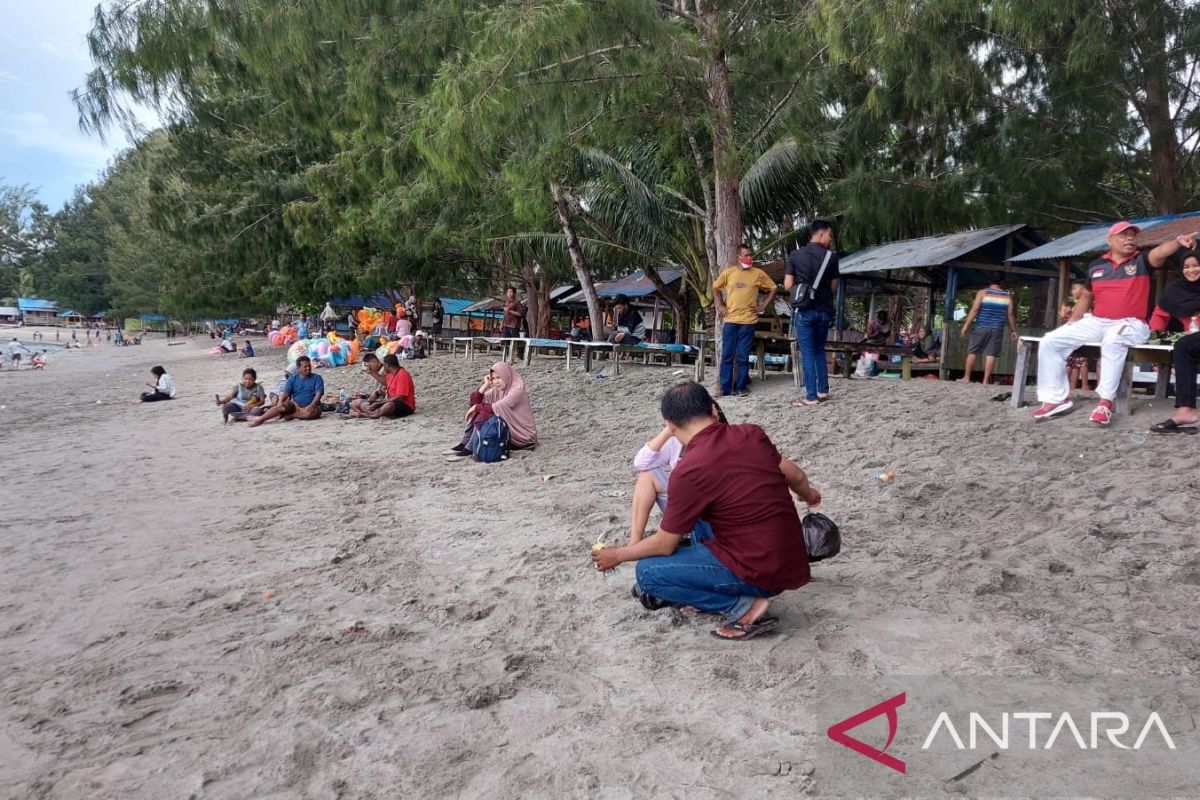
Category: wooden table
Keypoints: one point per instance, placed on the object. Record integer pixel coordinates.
(1161, 354)
(858, 348)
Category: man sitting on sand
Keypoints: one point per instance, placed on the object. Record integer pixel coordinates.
(300, 398)
(400, 398)
(733, 478)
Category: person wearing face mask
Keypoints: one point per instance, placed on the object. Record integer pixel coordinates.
(735, 293)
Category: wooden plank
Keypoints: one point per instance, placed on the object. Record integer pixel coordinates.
(1024, 348)
(906, 368)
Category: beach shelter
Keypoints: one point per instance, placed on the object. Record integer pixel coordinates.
(9, 315)
(70, 317)
(947, 264)
(1072, 252)
(37, 312)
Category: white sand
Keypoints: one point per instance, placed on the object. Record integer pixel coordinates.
(139, 658)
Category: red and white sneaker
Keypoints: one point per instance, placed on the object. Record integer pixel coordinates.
(1048, 410)
(1103, 414)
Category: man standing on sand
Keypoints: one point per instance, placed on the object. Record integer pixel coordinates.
(300, 397)
(513, 312)
(1112, 310)
(735, 293)
(815, 265)
(750, 546)
(993, 307)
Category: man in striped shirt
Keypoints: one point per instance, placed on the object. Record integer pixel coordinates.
(992, 308)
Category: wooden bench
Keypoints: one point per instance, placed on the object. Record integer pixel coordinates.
(858, 348)
(1161, 354)
(647, 351)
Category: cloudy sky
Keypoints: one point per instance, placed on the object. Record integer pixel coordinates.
(43, 56)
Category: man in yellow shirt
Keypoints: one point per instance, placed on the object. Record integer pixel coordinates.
(735, 292)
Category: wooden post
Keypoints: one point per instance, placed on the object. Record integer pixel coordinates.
(1064, 282)
(1021, 373)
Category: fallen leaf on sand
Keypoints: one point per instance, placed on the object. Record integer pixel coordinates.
(545, 478)
(267, 595)
(357, 627)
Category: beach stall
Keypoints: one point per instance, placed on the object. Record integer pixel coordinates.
(70, 318)
(948, 265)
(9, 315)
(642, 294)
(38, 312)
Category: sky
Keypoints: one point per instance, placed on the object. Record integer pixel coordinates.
(43, 56)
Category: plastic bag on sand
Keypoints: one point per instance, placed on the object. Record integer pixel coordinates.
(821, 537)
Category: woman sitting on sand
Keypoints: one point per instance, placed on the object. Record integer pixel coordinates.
(1181, 301)
(245, 399)
(502, 394)
(163, 386)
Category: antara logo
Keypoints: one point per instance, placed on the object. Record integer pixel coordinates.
(838, 732)
(1106, 728)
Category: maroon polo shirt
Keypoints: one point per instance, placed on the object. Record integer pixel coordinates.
(729, 476)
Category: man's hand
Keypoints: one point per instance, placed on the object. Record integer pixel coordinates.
(1187, 241)
(607, 558)
(813, 498)
(760, 309)
(721, 309)
(962, 331)
(1013, 335)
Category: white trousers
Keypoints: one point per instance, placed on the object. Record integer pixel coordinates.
(1116, 336)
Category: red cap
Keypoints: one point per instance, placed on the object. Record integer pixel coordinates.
(1123, 226)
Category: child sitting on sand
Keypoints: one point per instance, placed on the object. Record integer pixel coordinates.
(39, 360)
(248, 351)
(164, 387)
(245, 399)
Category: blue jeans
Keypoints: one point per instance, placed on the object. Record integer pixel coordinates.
(736, 341)
(693, 576)
(812, 329)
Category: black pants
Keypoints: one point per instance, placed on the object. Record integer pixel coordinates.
(155, 396)
(1187, 359)
(512, 333)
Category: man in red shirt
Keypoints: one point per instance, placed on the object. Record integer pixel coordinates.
(1112, 311)
(401, 399)
(730, 490)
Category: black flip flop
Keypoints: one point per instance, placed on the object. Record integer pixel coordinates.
(1171, 426)
(749, 629)
(1000, 398)
(649, 601)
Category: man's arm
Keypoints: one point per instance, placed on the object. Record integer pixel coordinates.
(1012, 321)
(797, 481)
(718, 298)
(660, 543)
(1082, 306)
(316, 400)
(767, 303)
(974, 312)
(1159, 255)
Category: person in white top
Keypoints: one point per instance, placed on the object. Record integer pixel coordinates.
(15, 348)
(163, 386)
(654, 463)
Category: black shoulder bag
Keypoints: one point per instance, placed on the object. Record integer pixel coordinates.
(804, 294)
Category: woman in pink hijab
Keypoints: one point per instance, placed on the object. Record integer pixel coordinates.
(501, 394)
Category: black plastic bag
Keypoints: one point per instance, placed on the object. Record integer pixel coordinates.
(821, 537)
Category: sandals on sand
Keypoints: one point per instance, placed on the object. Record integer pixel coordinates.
(1171, 426)
(805, 402)
(748, 629)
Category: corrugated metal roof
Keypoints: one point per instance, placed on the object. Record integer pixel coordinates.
(33, 304)
(9, 311)
(454, 305)
(70, 312)
(930, 251)
(632, 286)
(1094, 238)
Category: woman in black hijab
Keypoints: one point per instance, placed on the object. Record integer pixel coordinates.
(1181, 301)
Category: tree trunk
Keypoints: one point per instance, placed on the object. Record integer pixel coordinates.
(537, 289)
(582, 273)
(1165, 183)
(727, 211)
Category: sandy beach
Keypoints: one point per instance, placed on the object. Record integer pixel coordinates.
(330, 610)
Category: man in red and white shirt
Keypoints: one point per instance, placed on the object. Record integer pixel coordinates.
(1112, 311)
